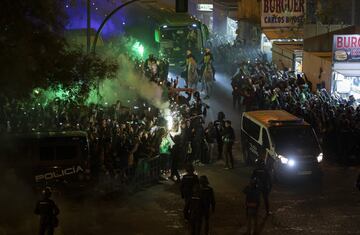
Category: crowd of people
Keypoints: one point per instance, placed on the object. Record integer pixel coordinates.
(123, 133)
(259, 85)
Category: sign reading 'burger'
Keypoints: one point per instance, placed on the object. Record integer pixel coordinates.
(346, 48)
(282, 13)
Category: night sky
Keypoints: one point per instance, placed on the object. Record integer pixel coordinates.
(76, 10)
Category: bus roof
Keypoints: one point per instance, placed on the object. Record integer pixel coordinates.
(166, 15)
(271, 118)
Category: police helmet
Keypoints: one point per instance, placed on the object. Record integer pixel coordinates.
(46, 192)
(204, 180)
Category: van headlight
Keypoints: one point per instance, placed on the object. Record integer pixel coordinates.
(286, 161)
(283, 160)
(320, 157)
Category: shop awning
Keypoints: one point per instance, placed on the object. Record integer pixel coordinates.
(347, 69)
(282, 34)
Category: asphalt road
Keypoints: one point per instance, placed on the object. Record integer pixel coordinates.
(303, 207)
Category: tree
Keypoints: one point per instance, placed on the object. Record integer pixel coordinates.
(30, 43)
(34, 53)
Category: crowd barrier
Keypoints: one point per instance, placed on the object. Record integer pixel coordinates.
(147, 171)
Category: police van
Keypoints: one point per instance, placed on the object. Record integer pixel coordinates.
(48, 158)
(288, 144)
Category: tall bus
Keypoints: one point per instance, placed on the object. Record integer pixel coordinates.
(165, 33)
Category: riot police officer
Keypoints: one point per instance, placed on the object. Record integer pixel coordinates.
(207, 201)
(48, 211)
(252, 203)
(263, 178)
(186, 188)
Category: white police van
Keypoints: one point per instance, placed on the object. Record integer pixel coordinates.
(288, 144)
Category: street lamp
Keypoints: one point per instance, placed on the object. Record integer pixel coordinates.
(106, 20)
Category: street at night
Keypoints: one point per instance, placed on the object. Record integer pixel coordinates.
(180, 117)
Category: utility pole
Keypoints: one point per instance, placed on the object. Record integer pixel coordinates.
(353, 12)
(88, 18)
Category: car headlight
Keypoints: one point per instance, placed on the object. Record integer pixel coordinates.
(320, 157)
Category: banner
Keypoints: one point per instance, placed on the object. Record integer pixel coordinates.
(282, 13)
(346, 48)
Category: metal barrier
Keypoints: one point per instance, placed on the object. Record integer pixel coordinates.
(147, 172)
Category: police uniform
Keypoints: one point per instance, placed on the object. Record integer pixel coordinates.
(48, 211)
(252, 205)
(263, 178)
(187, 183)
(207, 203)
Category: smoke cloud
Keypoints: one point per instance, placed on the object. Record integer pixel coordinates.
(128, 85)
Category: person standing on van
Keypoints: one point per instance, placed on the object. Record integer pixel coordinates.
(48, 211)
(186, 188)
(263, 178)
(228, 138)
(252, 203)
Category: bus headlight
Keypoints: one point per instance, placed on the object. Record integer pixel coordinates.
(320, 157)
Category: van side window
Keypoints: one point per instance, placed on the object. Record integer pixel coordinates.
(66, 152)
(46, 153)
(265, 139)
(251, 128)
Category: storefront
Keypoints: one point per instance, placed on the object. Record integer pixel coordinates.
(346, 65)
(288, 56)
(282, 32)
(225, 18)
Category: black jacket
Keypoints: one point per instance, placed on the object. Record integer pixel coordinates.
(207, 199)
(263, 178)
(228, 135)
(187, 183)
(47, 210)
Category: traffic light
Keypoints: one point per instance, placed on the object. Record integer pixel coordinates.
(181, 6)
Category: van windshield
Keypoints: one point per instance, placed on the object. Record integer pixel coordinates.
(299, 140)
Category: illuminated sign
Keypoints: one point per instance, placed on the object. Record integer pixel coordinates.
(205, 7)
(346, 48)
(282, 13)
